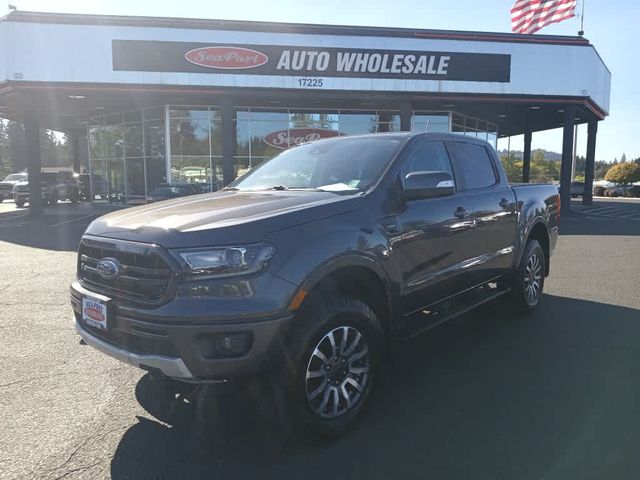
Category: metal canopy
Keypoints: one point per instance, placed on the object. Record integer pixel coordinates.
(66, 107)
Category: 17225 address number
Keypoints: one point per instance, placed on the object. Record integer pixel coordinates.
(310, 82)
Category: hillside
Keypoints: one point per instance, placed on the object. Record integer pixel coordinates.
(549, 156)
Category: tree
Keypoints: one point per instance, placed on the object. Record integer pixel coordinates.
(624, 174)
(601, 169)
(512, 166)
(623, 159)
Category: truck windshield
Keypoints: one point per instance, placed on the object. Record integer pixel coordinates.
(337, 165)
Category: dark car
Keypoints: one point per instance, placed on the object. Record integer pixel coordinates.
(166, 191)
(301, 271)
(66, 186)
(10, 181)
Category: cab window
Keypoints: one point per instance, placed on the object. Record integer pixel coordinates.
(473, 166)
(426, 156)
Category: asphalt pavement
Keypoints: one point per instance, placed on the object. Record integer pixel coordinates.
(555, 395)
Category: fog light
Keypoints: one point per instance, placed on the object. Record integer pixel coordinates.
(225, 345)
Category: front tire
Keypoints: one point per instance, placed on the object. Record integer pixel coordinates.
(20, 203)
(528, 281)
(335, 361)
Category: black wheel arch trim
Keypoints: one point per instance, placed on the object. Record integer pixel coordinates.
(351, 260)
(524, 238)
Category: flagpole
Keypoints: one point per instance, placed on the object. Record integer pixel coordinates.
(581, 32)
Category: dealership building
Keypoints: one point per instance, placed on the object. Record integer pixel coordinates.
(149, 100)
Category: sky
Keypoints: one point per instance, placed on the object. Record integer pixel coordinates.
(610, 25)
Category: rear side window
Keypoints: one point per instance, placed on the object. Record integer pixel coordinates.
(427, 157)
(473, 165)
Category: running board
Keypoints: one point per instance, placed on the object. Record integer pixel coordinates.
(446, 310)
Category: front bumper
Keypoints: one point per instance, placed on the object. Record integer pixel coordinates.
(179, 349)
(169, 366)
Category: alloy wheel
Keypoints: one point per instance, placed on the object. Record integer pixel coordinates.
(533, 279)
(338, 372)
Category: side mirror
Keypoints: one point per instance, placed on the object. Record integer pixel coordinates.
(428, 185)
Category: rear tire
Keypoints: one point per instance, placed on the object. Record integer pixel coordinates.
(528, 279)
(53, 200)
(333, 360)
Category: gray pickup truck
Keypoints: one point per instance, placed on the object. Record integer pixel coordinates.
(10, 181)
(55, 186)
(303, 270)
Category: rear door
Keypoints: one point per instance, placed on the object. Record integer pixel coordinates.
(433, 232)
(493, 202)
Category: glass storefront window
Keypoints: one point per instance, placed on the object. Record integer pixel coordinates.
(327, 121)
(132, 146)
(196, 145)
(135, 180)
(189, 132)
(96, 141)
(216, 132)
(217, 181)
(98, 179)
(191, 169)
(133, 143)
(358, 123)
(154, 138)
(128, 150)
(251, 129)
(156, 172)
(422, 122)
(116, 191)
(114, 141)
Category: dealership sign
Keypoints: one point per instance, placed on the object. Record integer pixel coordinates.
(286, 138)
(152, 56)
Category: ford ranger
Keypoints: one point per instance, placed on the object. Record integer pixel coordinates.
(306, 267)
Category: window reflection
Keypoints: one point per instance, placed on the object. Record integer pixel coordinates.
(127, 155)
(128, 150)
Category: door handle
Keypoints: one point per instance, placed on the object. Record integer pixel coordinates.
(504, 203)
(461, 212)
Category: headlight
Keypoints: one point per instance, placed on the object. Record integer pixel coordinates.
(226, 261)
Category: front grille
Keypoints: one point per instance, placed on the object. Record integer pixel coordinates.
(24, 189)
(145, 276)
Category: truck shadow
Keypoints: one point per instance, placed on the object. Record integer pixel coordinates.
(484, 396)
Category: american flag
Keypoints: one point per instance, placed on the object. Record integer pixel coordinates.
(529, 16)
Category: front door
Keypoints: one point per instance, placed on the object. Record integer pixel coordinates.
(433, 233)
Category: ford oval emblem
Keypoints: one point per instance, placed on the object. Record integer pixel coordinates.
(108, 268)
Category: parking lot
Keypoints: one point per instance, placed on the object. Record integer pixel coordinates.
(555, 395)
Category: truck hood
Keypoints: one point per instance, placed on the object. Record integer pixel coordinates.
(221, 218)
(9, 183)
